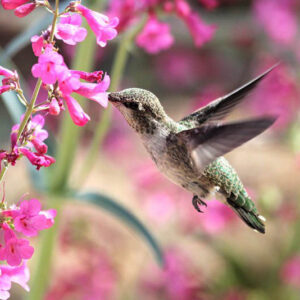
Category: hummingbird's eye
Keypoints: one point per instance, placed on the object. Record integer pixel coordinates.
(131, 105)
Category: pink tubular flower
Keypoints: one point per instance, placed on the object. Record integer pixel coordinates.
(37, 43)
(24, 10)
(29, 220)
(101, 25)
(155, 36)
(200, 31)
(12, 4)
(38, 160)
(6, 73)
(77, 114)
(50, 67)
(69, 29)
(22, 7)
(15, 250)
(95, 91)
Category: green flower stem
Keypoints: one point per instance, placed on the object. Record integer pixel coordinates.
(30, 108)
(116, 75)
(38, 85)
(39, 282)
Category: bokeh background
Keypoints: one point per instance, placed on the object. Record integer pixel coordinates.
(213, 255)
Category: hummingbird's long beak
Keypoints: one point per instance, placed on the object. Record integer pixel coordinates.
(114, 97)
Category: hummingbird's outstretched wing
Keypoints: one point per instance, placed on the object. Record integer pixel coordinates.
(208, 142)
(219, 108)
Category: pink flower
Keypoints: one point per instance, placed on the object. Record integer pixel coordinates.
(38, 160)
(50, 67)
(95, 91)
(29, 220)
(69, 29)
(4, 89)
(50, 214)
(200, 31)
(24, 10)
(37, 43)
(101, 25)
(7, 73)
(278, 19)
(19, 274)
(290, 271)
(155, 36)
(12, 4)
(77, 114)
(15, 250)
(10, 80)
(125, 10)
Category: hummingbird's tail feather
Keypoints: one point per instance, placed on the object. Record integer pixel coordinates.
(251, 218)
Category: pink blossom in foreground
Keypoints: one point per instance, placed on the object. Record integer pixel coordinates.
(95, 91)
(24, 10)
(200, 31)
(278, 18)
(38, 44)
(19, 275)
(69, 30)
(155, 36)
(77, 114)
(10, 80)
(15, 250)
(29, 220)
(101, 25)
(32, 138)
(290, 271)
(176, 281)
(22, 7)
(12, 4)
(50, 67)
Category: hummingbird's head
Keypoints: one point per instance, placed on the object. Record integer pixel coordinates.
(140, 108)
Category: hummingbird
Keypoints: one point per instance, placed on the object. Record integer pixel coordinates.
(190, 152)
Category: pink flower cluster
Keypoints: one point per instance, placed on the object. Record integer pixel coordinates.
(156, 35)
(57, 78)
(21, 7)
(27, 219)
(31, 144)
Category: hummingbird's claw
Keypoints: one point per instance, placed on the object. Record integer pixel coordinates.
(198, 202)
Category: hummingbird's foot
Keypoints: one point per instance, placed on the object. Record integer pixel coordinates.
(198, 202)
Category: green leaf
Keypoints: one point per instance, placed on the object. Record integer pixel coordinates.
(126, 216)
